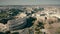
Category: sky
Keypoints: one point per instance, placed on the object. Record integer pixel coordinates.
(29, 2)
